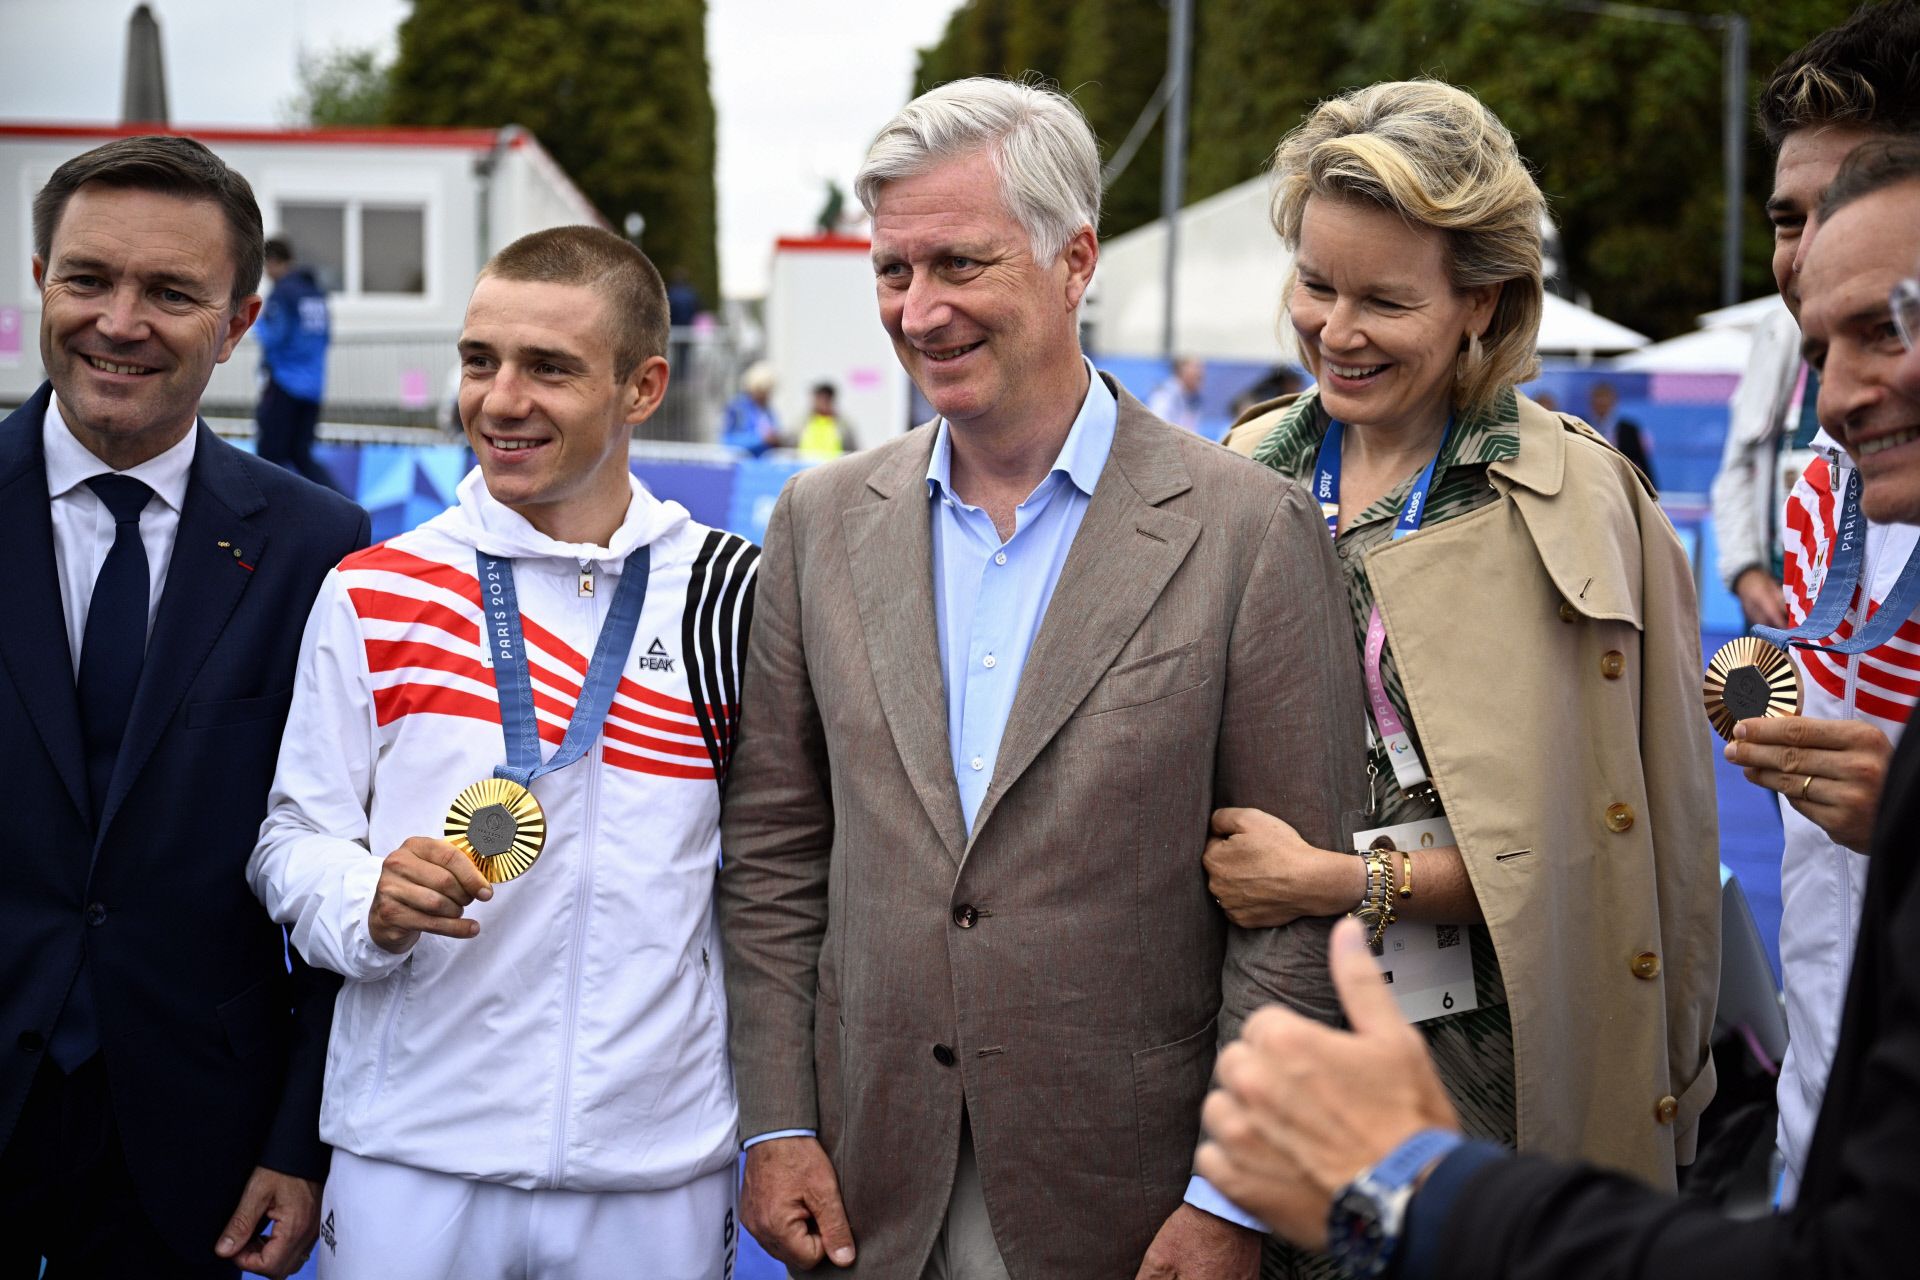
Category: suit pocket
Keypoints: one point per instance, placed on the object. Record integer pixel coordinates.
(1169, 1083)
(1148, 679)
(251, 1018)
(232, 711)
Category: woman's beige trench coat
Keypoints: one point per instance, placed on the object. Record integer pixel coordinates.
(1549, 645)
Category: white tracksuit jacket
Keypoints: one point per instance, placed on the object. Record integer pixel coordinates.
(1822, 882)
(579, 1041)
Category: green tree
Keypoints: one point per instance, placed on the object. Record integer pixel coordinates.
(617, 91)
(346, 86)
(1620, 118)
(1093, 49)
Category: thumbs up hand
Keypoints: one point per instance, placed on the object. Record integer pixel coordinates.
(1300, 1108)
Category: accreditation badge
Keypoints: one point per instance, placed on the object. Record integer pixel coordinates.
(498, 824)
(1747, 678)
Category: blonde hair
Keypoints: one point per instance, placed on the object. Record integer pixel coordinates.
(1437, 157)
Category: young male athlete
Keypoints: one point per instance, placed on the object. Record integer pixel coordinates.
(528, 1072)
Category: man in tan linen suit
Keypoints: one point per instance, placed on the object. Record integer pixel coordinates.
(976, 992)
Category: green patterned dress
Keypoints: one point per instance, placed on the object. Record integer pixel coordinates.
(1473, 1050)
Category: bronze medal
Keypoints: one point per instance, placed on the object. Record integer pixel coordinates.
(1749, 677)
(499, 825)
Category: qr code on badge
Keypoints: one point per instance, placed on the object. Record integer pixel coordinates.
(1447, 935)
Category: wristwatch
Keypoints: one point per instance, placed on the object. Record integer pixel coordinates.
(1364, 1224)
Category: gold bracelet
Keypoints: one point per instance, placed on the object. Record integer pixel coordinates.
(1406, 873)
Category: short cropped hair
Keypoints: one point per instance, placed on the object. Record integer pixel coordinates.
(169, 165)
(279, 249)
(1869, 168)
(1039, 143)
(1864, 74)
(1435, 155)
(612, 267)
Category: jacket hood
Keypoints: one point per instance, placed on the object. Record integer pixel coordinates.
(479, 521)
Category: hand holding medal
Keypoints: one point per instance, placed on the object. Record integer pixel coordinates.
(496, 821)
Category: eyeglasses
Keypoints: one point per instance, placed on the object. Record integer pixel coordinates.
(1904, 302)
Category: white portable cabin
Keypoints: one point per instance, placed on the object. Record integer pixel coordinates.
(395, 222)
(823, 325)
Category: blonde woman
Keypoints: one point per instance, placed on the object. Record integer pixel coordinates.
(1528, 636)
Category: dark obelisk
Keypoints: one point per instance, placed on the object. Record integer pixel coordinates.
(143, 93)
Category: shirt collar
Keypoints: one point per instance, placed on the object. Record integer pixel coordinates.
(71, 464)
(1477, 439)
(1081, 458)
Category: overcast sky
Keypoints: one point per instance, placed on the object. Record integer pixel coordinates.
(800, 89)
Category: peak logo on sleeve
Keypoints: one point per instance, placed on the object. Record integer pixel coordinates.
(656, 657)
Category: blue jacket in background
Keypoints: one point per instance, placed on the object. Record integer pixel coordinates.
(294, 332)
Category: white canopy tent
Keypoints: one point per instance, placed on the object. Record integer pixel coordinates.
(1228, 293)
(1720, 345)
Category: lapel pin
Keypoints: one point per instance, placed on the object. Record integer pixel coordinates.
(238, 555)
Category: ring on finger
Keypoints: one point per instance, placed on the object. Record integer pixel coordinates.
(1804, 784)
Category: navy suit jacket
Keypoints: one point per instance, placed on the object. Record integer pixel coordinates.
(213, 1049)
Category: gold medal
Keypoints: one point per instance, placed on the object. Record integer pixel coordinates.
(1749, 677)
(499, 825)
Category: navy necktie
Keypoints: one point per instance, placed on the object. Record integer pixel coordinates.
(112, 651)
(115, 644)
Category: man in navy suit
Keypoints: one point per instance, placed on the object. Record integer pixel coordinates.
(160, 1065)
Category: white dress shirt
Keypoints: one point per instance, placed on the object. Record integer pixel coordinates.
(83, 527)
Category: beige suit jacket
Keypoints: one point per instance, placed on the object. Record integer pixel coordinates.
(1061, 972)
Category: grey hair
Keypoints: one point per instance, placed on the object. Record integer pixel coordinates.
(1036, 138)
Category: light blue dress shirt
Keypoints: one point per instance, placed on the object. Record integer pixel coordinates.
(989, 599)
(989, 596)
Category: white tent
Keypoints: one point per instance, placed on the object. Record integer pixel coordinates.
(1720, 345)
(1228, 293)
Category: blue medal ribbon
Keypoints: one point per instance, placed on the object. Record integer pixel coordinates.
(1838, 587)
(514, 681)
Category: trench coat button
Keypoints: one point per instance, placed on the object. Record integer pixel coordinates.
(30, 1042)
(1666, 1109)
(96, 914)
(1646, 965)
(1612, 663)
(1619, 817)
(943, 1055)
(964, 915)
(1567, 612)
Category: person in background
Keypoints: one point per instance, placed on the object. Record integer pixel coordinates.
(1858, 81)
(824, 436)
(1281, 380)
(749, 425)
(294, 331)
(1855, 83)
(1346, 1141)
(683, 305)
(1527, 629)
(161, 1076)
(1177, 400)
(1623, 434)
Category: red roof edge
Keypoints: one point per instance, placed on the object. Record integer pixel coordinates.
(815, 244)
(463, 139)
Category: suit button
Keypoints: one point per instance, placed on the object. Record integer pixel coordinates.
(1646, 965)
(1619, 817)
(1666, 1109)
(964, 915)
(1567, 612)
(1612, 663)
(943, 1055)
(96, 914)
(31, 1042)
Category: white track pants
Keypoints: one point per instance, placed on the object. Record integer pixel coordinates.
(382, 1221)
